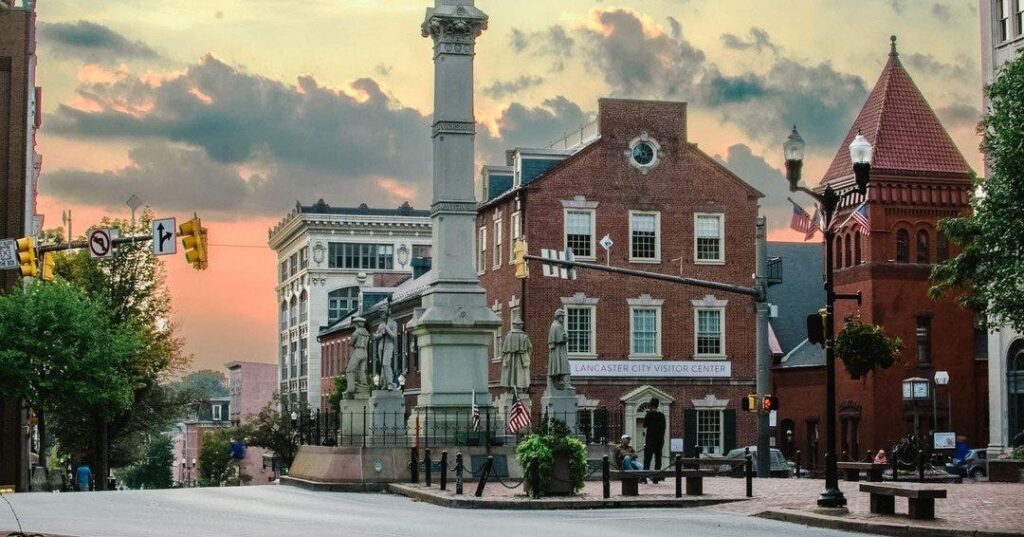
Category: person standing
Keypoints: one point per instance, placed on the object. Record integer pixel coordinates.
(83, 477)
(654, 424)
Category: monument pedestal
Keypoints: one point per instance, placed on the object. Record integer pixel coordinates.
(560, 405)
(502, 404)
(387, 419)
(353, 419)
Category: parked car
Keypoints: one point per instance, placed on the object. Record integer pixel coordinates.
(975, 465)
(778, 465)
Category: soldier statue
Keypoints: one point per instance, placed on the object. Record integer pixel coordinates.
(558, 356)
(386, 335)
(355, 373)
(515, 358)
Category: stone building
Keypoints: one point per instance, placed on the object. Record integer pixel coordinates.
(1002, 39)
(918, 177)
(326, 258)
(668, 207)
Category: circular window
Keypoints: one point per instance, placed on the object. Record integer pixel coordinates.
(643, 153)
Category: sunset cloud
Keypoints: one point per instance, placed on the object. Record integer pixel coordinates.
(91, 41)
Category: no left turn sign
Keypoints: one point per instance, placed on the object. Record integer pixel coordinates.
(100, 246)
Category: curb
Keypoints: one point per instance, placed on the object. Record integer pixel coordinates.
(433, 497)
(321, 486)
(896, 528)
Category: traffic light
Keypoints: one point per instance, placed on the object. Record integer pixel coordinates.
(27, 257)
(193, 238)
(816, 327)
(750, 403)
(48, 266)
(519, 253)
(769, 403)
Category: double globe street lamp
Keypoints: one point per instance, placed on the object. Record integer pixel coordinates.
(831, 199)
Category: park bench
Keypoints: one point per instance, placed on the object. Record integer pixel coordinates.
(630, 479)
(871, 470)
(920, 497)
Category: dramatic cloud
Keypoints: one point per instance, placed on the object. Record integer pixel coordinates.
(928, 64)
(769, 180)
(759, 40)
(959, 115)
(91, 41)
(503, 88)
(522, 126)
(554, 42)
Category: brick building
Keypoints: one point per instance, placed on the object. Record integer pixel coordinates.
(19, 171)
(251, 387)
(918, 178)
(669, 208)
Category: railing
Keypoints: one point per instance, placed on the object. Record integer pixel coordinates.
(579, 137)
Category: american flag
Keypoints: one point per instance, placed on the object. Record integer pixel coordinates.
(801, 221)
(815, 224)
(860, 219)
(476, 413)
(518, 415)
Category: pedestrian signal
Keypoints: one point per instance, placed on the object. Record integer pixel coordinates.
(769, 403)
(750, 403)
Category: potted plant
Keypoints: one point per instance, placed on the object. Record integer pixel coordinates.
(553, 462)
(864, 347)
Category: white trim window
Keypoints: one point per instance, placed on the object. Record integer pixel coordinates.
(498, 335)
(579, 232)
(709, 332)
(498, 236)
(580, 329)
(515, 231)
(216, 408)
(644, 237)
(481, 258)
(645, 331)
(711, 430)
(709, 238)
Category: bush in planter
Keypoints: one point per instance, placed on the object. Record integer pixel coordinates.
(538, 452)
(1017, 454)
(864, 348)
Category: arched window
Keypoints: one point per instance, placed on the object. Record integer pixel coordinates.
(856, 249)
(341, 302)
(923, 255)
(902, 246)
(847, 246)
(838, 260)
(941, 247)
(293, 311)
(303, 307)
(283, 316)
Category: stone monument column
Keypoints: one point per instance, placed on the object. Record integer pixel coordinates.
(455, 325)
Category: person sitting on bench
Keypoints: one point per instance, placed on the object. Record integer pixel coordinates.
(625, 455)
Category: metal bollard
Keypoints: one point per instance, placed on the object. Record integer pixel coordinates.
(679, 476)
(458, 474)
(867, 456)
(749, 472)
(920, 466)
(606, 485)
(444, 470)
(845, 456)
(535, 478)
(798, 464)
(483, 477)
(414, 466)
(427, 467)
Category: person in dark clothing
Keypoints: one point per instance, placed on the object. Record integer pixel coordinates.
(654, 423)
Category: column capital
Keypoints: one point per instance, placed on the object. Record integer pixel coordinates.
(454, 28)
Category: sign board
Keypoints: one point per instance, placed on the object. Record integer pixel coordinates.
(100, 246)
(164, 242)
(9, 254)
(675, 445)
(606, 242)
(944, 440)
(651, 368)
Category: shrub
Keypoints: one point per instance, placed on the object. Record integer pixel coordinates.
(864, 348)
(536, 455)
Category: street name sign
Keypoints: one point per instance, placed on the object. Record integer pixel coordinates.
(164, 242)
(100, 246)
(8, 254)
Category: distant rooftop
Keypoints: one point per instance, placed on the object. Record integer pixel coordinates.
(321, 207)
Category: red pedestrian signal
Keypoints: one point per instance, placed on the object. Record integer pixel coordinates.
(769, 403)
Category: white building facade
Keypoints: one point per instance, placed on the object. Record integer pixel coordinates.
(1002, 39)
(326, 257)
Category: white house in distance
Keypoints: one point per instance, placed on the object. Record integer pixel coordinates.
(327, 258)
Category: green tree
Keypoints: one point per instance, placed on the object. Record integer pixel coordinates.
(154, 472)
(988, 274)
(216, 468)
(207, 382)
(60, 352)
(340, 385)
(274, 431)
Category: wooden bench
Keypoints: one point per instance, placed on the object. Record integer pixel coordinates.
(630, 479)
(853, 469)
(920, 497)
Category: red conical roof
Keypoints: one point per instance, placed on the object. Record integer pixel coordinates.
(904, 130)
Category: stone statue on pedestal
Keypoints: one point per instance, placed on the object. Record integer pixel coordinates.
(558, 355)
(355, 372)
(386, 335)
(515, 358)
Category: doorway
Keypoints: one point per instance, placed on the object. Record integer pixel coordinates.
(636, 405)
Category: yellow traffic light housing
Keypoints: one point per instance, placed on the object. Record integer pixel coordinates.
(49, 264)
(750, 402)
(27, 257)
(519, 253)
(193, 238)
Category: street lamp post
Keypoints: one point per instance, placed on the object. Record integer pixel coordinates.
(830, 200)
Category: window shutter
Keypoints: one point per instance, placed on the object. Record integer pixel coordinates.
(730, 429)
(689, 432)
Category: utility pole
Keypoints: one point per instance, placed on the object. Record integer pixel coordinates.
(763, 359)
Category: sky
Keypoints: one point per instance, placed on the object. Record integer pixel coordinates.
(236, 109)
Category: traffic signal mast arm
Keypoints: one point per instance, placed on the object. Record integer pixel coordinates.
(74, 245)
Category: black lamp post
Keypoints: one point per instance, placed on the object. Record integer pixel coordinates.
(830, 199)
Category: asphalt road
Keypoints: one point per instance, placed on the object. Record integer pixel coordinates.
(276, 511)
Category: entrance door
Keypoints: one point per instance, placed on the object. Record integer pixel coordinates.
(636, 405)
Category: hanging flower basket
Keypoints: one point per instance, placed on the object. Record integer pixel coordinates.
(864, 348)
